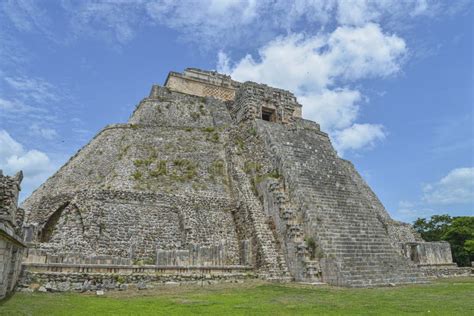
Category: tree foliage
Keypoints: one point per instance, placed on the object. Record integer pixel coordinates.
(458, 231)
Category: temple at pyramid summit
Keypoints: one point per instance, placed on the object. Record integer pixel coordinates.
(222, 180)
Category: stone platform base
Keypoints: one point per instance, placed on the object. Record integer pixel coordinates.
(445, 271)
(82, 278)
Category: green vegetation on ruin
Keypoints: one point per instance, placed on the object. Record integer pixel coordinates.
(184, 169)
(442, 297)
(212, 134)
(217, 168)
(160, 169)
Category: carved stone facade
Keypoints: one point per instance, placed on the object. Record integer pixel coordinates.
(202, 83)
(11, 244)
(257, 101)
(231, 177)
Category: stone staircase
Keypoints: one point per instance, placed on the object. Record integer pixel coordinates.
(303, 268)
(270, 260)
(355, 244)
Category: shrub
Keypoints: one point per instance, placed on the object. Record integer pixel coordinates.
(311, 244)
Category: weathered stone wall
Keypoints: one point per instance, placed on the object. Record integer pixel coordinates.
(198, 255)
(82, 278)
(133, 225)
(428, 253)
(446, 271)
(159, 181)
(11, 243)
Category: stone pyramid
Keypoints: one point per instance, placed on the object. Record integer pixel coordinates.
(212, 172)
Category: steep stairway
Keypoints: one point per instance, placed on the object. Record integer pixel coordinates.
(341, 217)
(271, 262)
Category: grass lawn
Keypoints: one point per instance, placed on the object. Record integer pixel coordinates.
(442, 297)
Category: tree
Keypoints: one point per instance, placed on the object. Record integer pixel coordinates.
(460, 235)
(433, 229)
(458, 231)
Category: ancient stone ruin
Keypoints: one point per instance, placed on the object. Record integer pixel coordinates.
(11, 238)
(216, 179)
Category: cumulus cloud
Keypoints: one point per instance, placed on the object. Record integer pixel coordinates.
(358, 136)
(332, 109)
(14, 157)
(314, 62)
(35, 164)
(320, 70)
(456, 187)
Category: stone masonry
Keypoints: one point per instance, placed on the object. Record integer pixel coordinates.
(11, 241)
(210, 173)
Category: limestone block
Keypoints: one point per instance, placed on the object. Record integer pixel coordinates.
(428, 253)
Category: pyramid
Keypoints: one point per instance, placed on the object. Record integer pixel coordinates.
(217, 173)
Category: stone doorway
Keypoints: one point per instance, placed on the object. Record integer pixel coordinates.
(268, 114)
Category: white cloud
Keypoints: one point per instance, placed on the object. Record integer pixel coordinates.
(332, 109)
(14, 106)
(44, 132)
(14, 157)
(111, 20)
(217, 22)
(364, 52)
(358, 136)
(9, 147)
(25, 15)
(456, 187)
(207, 21)
(319, 68)
(37, 101)
(315, 62)
(36, 89)
(223, 22)
(410, 213)
(360, 12)
(35, 164)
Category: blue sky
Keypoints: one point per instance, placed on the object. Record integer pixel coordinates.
(390, 81)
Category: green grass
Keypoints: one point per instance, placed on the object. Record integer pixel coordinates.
(444, 297)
